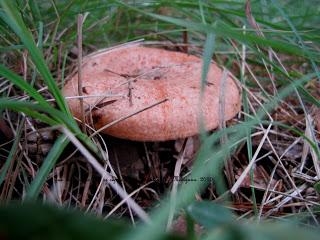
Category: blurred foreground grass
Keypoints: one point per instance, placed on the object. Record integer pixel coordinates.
(37, 221)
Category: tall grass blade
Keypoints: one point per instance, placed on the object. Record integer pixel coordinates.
(11, 155)
(56, 118)
(23, 85)
(46, 167)
(13, 18)
(28, 108)
(301, 42)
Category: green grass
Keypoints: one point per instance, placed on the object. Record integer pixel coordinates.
(39, 26)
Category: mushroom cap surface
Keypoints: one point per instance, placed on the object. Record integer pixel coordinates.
(141, 76)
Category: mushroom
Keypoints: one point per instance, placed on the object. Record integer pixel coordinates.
(134, 77)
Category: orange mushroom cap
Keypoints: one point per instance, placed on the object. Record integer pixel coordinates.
(143, 76)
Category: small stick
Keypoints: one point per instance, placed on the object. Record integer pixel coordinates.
(59, 74)
(185, 41)
(125, 117)
(80, 92)
(251, 163)
(174, 190)
(130, 93)
(86, 187)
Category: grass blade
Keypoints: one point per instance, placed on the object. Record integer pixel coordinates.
(11, 154)
(301, 42)
(13, 18)
(29, 109)
(224, 30)
(57, 118)
(46, 167)
(23, 85)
